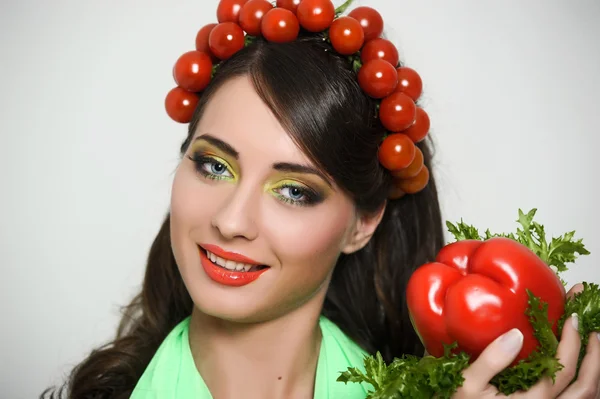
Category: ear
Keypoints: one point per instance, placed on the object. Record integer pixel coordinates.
(363, 229)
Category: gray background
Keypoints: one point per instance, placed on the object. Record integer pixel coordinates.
(87, 151)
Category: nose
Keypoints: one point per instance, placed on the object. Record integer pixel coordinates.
(235, 218)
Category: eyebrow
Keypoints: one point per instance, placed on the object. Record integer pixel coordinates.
(280, 166)
(296, 168)
(220, 144)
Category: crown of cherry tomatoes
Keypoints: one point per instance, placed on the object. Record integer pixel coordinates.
(357, 35)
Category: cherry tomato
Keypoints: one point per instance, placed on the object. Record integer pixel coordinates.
(409, 82)
(252, 14)
(378, 78)
(226, 39)
(291, 5)
(419, 129)
(280, 26)
(315, 15)
(395, 191)
(229, 10)
(382, 49)
(413, 169)
(370, 20)
(192, 71)
(396, 152)
(180, 104)
(415, 184)
(397, 112)
(202, 41)
(346, 35)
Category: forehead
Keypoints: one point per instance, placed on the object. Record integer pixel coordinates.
(236, 114)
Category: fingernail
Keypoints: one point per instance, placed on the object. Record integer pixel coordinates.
(598, 335)
(575, 321)
(512, 341)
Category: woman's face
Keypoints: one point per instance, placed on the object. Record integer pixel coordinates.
(245, 188)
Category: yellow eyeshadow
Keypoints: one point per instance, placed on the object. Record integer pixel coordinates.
(316, 188)
(281, 183)
(203, 149)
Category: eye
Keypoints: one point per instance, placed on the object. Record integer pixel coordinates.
(298, 195)
(215, 167)
(211, 167)
(294, 193)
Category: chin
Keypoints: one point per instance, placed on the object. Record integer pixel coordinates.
(229, 306)
(246, 304)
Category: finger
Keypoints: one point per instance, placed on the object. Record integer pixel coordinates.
(586, 385)
(496, 357)
(567, 354)
(576, 289)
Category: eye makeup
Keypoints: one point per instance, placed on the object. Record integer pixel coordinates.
(212, 162)
(296, 193)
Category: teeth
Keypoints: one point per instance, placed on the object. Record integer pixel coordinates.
(228, 264)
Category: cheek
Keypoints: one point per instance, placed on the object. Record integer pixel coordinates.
(193, 201)
(189, 209)
(184, 198)
(312, 238)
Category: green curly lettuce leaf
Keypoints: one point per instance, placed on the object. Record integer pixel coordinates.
(587, 306)
(541, 363)
(557, 253)
(411, 376)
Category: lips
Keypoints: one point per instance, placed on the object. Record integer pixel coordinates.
(248, 270)
(229, 255)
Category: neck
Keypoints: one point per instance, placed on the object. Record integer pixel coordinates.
(272, 359)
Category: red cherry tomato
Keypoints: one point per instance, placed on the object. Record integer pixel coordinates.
(346, 35)
(413, 169)
(226, 39)
(378, 78)
(315, 15)
(409, 82)
(291, 5)
(396, 152)
(192, 71)
(397, 112)
(180, 104)
(370, 20)
(252, 14)
(395, 191)
(280, 26)
(417, 183)
(229, 10)
(419, 129)
(382, 49)
(202, 41)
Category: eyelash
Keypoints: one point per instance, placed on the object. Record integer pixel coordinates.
(312, 197)
(200, 160)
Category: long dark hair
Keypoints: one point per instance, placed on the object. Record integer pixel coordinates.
(315, 95)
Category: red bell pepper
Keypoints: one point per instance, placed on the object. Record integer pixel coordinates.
(477, 290)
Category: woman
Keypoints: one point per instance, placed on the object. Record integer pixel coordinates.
(282, 260)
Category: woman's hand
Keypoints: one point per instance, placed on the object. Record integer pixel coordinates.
(500, 354)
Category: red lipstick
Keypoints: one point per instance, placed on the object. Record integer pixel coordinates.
(224, 276)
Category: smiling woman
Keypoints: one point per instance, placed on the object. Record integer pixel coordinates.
(282, 258)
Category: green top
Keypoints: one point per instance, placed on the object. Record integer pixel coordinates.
(172, 373)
